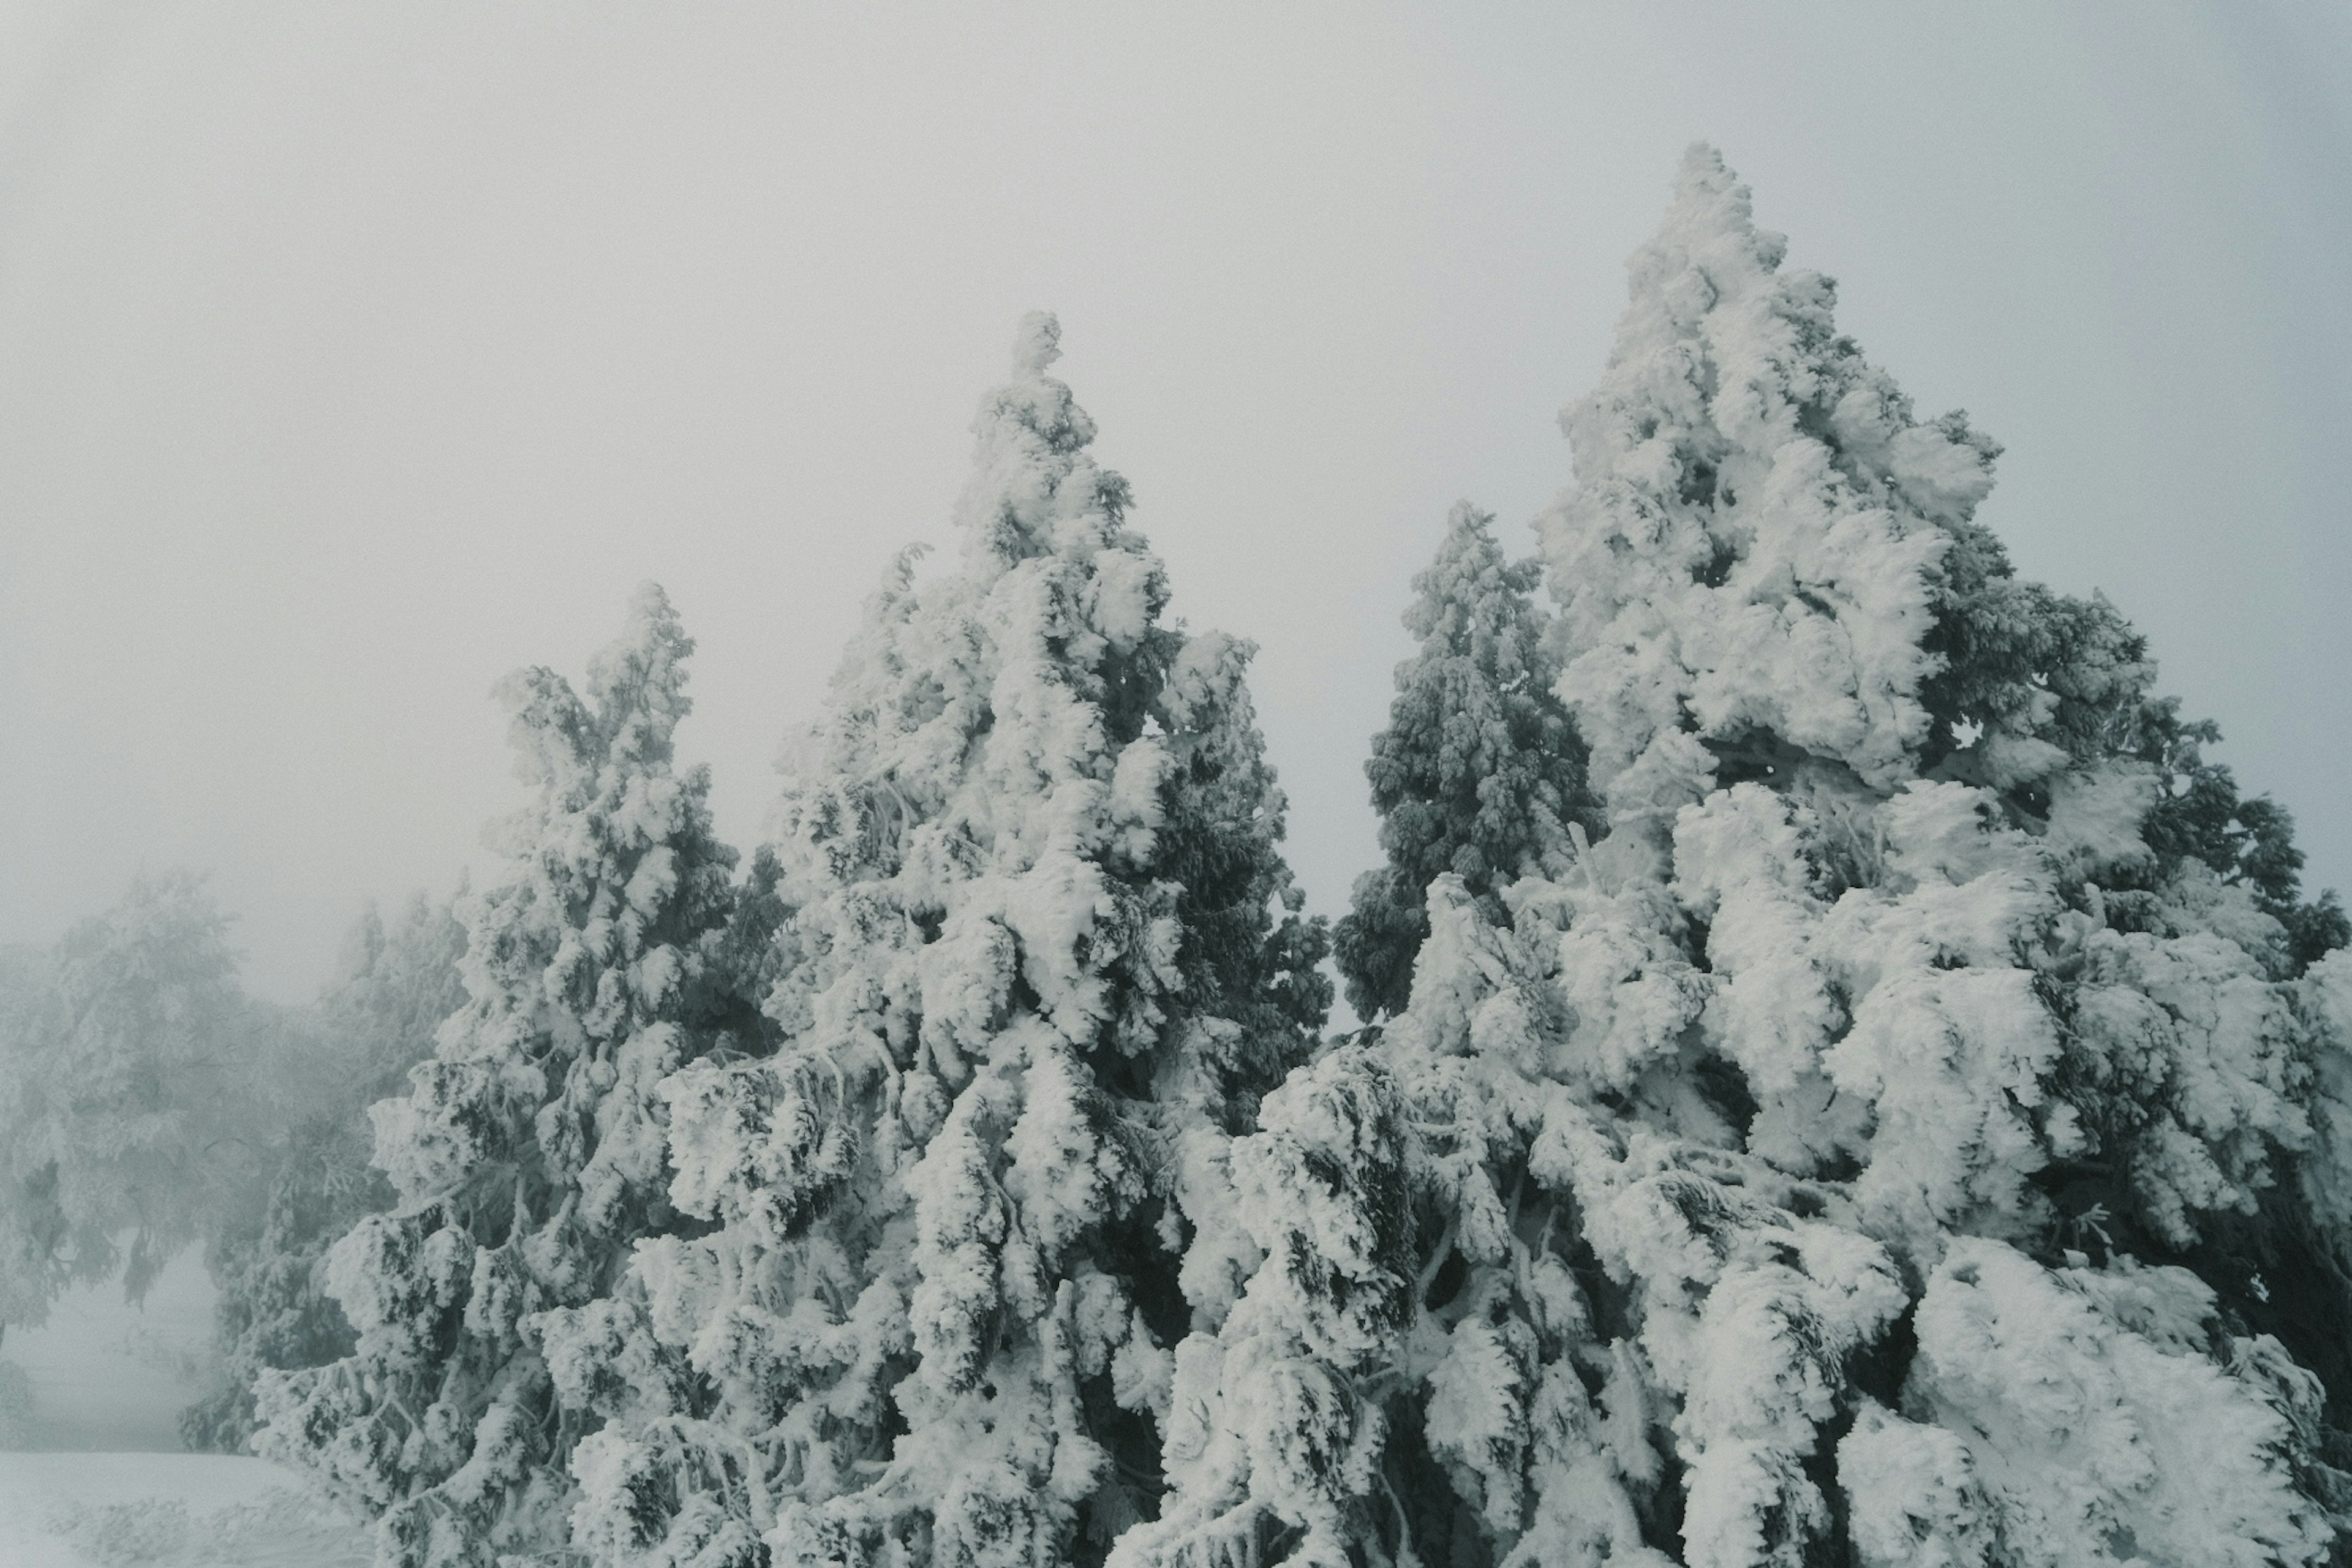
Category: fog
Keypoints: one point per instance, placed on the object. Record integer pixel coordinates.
(352, 356)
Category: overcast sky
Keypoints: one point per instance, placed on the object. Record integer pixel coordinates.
(353, 354)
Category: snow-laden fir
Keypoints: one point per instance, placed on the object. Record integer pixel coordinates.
(1869, 1147)
(1810, 1158)
(1042, 962)
(1841, 1078)
(528, 1154)
(1480, 768)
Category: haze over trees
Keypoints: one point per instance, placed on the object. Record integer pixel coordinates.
(147, 1104)
(265, 1253)
(1840, 1077)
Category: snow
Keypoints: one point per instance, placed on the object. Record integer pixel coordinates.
(1799, 1118)
(108, 1375)
(2089, 1410)
(168, 1511)
(1830, 1029)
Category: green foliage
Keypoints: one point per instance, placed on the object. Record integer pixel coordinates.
(1479, 771)
(2249, 843)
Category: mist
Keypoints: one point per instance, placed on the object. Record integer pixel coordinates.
(1820, 1061)
(357, 355)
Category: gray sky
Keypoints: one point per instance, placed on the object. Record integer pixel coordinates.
(351, 355)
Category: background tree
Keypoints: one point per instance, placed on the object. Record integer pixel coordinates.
(30, 1228)
(129, 1060)
(1479, 772)
(267, 1254)
(527, 1156)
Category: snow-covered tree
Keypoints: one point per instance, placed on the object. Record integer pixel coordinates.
(1837, 1161)
(1479, 771)
(394, 987)
(125, 1093)
(2247, 843)
(31, 1227)
(1044, 960)
(527, 1155)
(267, 1252)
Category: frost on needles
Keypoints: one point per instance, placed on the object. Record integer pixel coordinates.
(1044, 957)
(1480, 770)
(1866, 1149)
(529, 1155)
(1846, 1081)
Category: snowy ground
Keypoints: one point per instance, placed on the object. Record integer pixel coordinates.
(98, 1481)
(107, 1376)
(164, 1511)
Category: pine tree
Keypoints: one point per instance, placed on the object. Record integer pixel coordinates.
(1043, 960)
(267, 1254)
(527, 1155)
(1839, 1161)
(1479, 771)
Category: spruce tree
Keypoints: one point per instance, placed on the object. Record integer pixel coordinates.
(1044, 960)
(527, 1155)
(1840, 1161)
(1479, 771)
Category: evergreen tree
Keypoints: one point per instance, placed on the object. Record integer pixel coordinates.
(526, 1157)
(125, 1094)
(1480, 771)
(2248, 843)
(30, 1222)
(266, 1256)
(1839, 1162)
(1044, 958)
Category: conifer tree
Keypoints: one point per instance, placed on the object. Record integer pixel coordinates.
(28, 1213)
(2250, 842)
(266, 1253)
(1838, 1162)
(1479, 771)
(527, 1155)
(1044, 958)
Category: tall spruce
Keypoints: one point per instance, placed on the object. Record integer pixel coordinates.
(1479, 772)
(527, 1155)
(1044, 958)
(1843, 1160)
